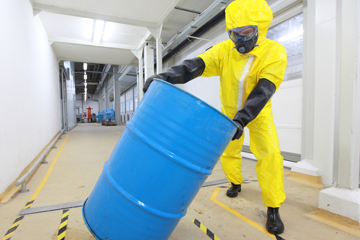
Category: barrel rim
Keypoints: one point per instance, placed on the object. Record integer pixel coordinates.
(172, 85)
(86, 223)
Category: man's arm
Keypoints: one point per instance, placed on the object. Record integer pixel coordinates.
(253, 105)
(182, 73)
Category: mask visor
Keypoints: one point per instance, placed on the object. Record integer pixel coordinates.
(242, 33)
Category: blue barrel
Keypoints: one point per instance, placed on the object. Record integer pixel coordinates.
(100, 117)
(165, 154)
(109, 113)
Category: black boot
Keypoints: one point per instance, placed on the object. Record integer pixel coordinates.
(233, 190)
(274, 224)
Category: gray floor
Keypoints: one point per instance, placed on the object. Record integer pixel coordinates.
(77, 163)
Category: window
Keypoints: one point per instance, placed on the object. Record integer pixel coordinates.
(122, 107)
(290, 34)
(129, 100)
(122, 104)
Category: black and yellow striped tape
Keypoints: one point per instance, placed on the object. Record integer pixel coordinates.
(16, 223)
(205, 230)
(63, 225)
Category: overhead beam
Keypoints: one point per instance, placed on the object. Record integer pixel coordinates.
(146, 38)
(85, 43)
(82, 72)
(103, 61)
(82, 84)
(280, 6)
(91, 15)
(31, 2)
(166, 15)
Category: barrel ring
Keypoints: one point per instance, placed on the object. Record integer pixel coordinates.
(136, 202)
(157, 147)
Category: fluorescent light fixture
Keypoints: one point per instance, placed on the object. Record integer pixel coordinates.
(85, 89)
(85, 66)
(85, 83)
(98, 31)
(85, 76)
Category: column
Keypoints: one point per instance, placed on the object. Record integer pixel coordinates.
(106, 94)
(159, 50)
(344, 197)
(149, 60)
(140, 80)
(320, 106)
(140, 75)
(117, 97)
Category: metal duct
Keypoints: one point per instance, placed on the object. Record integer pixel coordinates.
(212, 22)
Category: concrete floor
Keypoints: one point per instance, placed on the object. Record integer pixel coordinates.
(75, 165)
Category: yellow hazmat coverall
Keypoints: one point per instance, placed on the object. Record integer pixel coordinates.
(239, 74)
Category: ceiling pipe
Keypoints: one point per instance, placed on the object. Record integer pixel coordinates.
(212, 22)
(103, 76)
(196, 23)
(187, 10)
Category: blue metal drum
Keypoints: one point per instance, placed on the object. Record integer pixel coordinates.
(109, 113)
(166, 152)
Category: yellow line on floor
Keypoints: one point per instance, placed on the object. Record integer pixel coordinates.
(252, 223)
(334, 222)
(48, 172)
(18, 219)
(287, 173)
(116, 131)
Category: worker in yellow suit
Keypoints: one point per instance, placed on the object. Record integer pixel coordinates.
(251, 68)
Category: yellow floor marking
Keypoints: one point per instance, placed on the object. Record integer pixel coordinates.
(115, 131)
(18, 220)
(254, 224)
(333, 223)
(203, 228)
(63, 224)
(48, 172)
(61, 236)
(287, 173)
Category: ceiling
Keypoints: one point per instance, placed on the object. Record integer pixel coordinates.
(128, 26)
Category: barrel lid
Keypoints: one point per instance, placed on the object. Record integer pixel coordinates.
(198, 99)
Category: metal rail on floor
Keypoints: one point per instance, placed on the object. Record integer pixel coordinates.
(42, 159)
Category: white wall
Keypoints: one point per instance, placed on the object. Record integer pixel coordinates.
(30, 89)
(286, 103)
(94, 105)
(89, 103)
(358, 71)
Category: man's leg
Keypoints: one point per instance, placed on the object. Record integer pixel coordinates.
(231, 165)
(264, 144)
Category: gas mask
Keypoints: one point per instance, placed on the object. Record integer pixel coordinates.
(245, 38)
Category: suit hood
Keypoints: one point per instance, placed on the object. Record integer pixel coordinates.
(241, 13)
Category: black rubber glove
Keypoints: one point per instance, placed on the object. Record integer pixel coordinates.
(182, 73)
(239, 131)
(255, 102)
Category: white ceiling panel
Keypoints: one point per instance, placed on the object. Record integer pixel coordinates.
(149, 10)
(81, 53)
(70, 26)
(117, 33)
(63, 26)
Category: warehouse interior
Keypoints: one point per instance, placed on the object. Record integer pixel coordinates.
(83, 68)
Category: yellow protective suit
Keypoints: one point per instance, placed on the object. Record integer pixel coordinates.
(239, 74)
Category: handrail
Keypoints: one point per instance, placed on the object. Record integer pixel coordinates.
(42, 159)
